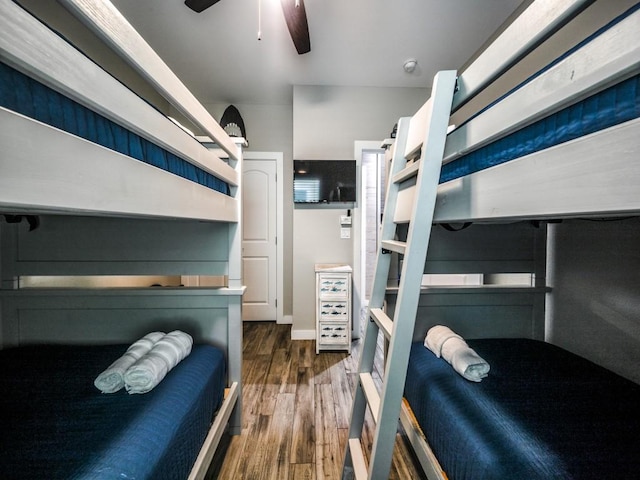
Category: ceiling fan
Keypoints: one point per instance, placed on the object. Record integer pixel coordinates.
(294, 14)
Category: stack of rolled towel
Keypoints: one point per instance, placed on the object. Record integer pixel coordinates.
(145, 363)
(445, 343)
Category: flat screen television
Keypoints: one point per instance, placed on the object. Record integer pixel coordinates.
(324, 181)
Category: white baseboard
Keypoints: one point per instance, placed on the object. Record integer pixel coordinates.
(298, 334)
(286, 320)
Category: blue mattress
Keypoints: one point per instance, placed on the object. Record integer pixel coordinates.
(612, 106)
(542, 413)
(56, 425)
(29, 97)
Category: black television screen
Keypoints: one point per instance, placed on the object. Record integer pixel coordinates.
(324, 181)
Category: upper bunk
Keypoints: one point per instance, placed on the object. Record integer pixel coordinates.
(75, 140)
(544, 122)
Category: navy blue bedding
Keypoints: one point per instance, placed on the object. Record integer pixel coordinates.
(29, 97)
(56, 425)
(542, 413)
(612, 106)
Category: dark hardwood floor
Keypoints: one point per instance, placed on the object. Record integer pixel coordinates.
(296, 411)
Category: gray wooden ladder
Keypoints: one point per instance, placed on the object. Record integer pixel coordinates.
(412, 188)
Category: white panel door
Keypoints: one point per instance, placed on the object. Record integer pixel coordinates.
(259, 254)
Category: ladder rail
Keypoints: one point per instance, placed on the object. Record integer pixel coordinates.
(383, 262)
(412, 270)
(388, 404)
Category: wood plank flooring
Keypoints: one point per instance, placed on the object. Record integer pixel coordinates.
(296, 411)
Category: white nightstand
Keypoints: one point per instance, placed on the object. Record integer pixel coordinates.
(333, 307)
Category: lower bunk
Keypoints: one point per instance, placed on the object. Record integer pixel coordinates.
(541, 413)
(57, 424)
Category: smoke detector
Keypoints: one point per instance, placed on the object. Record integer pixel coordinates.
(410, 65)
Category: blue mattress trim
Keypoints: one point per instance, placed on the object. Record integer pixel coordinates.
(27, 96)
(610, 107)
(542, 413)
(57, 425)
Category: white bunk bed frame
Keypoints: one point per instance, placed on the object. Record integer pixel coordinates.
(46, 171)
(31, 47)
(542, 185)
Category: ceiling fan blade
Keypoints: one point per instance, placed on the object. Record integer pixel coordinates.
(296, 18)
(200, 5)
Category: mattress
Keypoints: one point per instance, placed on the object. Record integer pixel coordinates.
(542, 413)
(32, 99)
(612, 106)
(57, 425)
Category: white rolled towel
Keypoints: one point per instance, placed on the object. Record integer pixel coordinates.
(436, 336)
(149, 370)
(112, 379)
(464, 359)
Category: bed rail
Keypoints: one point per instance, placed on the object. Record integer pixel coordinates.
(586, 168)
(608, 58)
(107, 22)
(539, 20)
(49, 170)
(31, 47)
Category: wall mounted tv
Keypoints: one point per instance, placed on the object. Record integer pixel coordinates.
(324, 181)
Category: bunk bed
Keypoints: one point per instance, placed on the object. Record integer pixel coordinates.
(536, 134)
(110, 186)
(562, 137)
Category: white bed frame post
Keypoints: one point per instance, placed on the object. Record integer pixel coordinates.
(413, 188)
(235, 302)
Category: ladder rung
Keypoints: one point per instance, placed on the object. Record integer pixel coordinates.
(357, 459)
(394, 246)
(406, 173)
(371, 394)
(383, 321)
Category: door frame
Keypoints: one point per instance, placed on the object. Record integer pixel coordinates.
(358, 302)
(278, 157)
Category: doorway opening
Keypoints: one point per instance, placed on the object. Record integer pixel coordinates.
(373, 194)
(371, 166)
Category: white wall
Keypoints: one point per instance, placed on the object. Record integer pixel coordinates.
(327, 120)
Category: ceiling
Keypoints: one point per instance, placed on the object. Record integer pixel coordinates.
(218, 56)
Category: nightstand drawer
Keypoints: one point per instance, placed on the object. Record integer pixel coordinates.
(333, 334)
(334, 311)
(333, 286)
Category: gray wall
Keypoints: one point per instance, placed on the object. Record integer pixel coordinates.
(594, 309)
(327, 120)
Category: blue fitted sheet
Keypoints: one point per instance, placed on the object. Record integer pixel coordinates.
(29, 97)
(612, 106)
(542, 413)
(56, 425)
